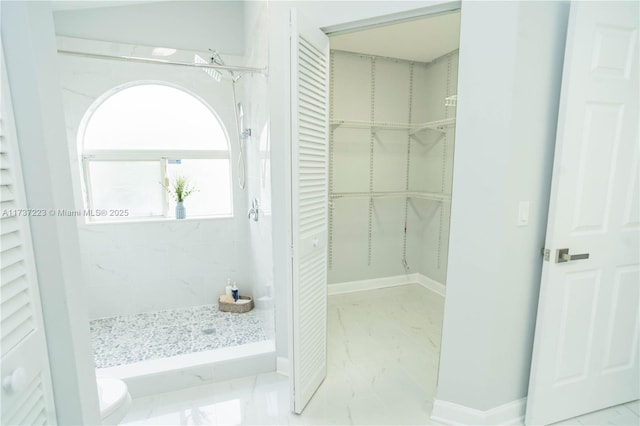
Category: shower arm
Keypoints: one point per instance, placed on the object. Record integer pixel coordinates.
(250, 70)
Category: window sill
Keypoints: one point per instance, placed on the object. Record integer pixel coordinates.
(156, 220)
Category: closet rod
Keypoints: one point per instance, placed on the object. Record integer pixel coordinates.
(388, 58)
(384, 58)
(165, 62)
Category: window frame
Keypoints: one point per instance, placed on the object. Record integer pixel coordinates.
(160, 155)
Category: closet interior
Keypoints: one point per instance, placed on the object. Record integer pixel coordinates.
(392, 135)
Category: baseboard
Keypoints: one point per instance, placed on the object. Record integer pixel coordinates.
(511, 413)
(372, 284)
(393, 281)
(430, 284)
(282, 366)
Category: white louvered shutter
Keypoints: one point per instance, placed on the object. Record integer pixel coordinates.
(27, 396)
(309, 103)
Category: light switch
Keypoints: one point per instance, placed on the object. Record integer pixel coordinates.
(523, 213)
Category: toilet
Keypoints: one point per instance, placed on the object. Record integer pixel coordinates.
(114, 398)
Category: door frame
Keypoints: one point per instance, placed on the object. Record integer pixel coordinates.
(285, 366)
(29, 39)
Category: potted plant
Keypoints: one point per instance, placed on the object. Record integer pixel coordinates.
(180, 189)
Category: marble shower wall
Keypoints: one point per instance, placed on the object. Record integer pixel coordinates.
(166, 264)
(258, 150)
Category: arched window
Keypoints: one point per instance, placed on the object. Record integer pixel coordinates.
(137, 137)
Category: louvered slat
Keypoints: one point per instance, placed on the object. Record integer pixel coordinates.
(30, 409)
(6, 193)
(12, 288)
(3, 143)
(5, 177)
(15, 328)
(312, 218)
(21, 337)
(14, 305)
(313, 338)
(9, 241)
(16, 313)
(12, 270)
(9, 225)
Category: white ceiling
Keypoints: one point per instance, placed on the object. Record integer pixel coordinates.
(57, 5)
(421, 40)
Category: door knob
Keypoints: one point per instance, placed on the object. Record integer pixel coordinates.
(15, 382)
(562, 255)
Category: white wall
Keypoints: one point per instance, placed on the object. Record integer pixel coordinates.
(147, 266)
(189, 25)
(29, 42)
(431, 171)
(511, 57)
(400, 95)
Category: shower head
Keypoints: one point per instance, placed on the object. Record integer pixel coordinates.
(217, 59)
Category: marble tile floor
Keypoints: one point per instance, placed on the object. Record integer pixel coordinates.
(621, 415)
(264, 400)
(127, 339)
(382, 367)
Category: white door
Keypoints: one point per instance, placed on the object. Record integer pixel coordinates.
(585, 354)
(27, 396)
(309, 173)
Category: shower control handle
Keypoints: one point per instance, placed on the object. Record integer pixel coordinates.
(254, 211)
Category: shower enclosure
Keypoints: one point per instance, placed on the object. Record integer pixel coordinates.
(152, 285)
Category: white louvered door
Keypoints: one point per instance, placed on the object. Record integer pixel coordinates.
(309, 175)
(27, 395)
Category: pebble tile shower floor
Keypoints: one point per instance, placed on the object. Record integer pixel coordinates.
(132, 338)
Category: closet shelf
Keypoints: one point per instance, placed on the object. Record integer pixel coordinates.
(354, 124)
(438, 125)
(434, 196)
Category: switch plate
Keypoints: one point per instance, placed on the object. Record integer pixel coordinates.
(523, 213)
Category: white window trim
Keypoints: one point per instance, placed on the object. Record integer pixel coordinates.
(161, 157)
(156, 154)
(88, 155)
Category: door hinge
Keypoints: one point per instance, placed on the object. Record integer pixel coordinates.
(546, 253)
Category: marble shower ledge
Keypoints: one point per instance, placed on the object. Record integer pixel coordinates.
(134, 338)
(157, 220)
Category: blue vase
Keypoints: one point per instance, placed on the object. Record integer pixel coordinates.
(181, 212)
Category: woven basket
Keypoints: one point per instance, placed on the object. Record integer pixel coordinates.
(233, 307)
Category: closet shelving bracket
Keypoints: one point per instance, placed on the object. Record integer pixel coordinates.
(437, 125)
(451, 101)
